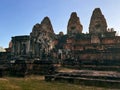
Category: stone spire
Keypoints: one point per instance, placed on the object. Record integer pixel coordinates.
(74, 26)
(98, 22)
(42, 37)
(46, 25)
(36, 29)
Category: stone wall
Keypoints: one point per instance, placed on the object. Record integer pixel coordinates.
(20, 45)
(99, 56)
(42, 38)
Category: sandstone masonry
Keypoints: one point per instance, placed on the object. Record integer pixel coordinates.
(99, 43)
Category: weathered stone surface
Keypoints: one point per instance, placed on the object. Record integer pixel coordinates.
(43, 67)
(42, 37)
(18, 68)
(47, 26)
(44, 26)
(98, 22)
(61, 33)
(20, 45)
(75, 45)
(87, 77)
(35, 31)
(74, 25)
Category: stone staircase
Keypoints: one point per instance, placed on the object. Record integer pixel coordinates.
(88, 77)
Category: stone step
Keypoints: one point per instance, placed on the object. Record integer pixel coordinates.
(86, 78)
(104, 68)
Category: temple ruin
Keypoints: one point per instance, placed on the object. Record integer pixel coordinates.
(95, 56)
(99, 43)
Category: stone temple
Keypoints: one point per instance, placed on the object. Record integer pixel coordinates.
(101, 43)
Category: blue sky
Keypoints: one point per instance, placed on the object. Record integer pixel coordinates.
(17, 17)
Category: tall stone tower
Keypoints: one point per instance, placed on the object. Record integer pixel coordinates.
(97, 23)
(74, 26)
(47, 26)
(41, 38)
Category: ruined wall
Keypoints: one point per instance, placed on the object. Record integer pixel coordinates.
(99, 56)
(83, 41)
(20, 45)
(70, 40)
(108, 41)
(95, 39)
(78, 47)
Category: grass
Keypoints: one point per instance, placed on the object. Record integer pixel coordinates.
(38, 83)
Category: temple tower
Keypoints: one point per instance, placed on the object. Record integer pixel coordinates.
(47, 26)
(74, 26)
(41, 38)
(98, 23)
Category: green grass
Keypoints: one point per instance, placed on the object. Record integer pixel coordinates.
(38, 83)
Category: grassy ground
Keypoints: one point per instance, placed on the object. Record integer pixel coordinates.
(38, 83)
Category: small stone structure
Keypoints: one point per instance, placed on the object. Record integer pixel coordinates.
(20, 45)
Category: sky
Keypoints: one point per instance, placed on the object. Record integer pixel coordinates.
(17, 17)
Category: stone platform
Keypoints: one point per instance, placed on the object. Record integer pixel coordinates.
(88, 77)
